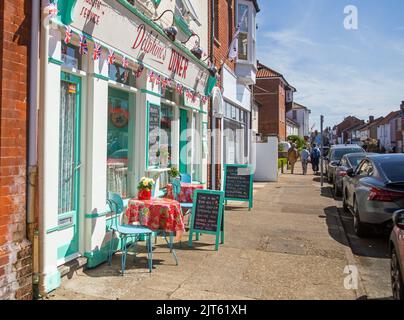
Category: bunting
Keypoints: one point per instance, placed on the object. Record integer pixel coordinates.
(83, 49)
(111, 57)
(68, 35)
(97, 51)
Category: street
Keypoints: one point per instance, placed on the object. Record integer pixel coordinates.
(292, 245)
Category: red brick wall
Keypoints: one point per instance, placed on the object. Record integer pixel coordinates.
(271, 120)
(15, 250)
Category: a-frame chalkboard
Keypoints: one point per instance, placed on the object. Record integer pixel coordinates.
(239, 183)
(207, 215)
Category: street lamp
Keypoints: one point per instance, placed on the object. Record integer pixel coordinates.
(197, 50)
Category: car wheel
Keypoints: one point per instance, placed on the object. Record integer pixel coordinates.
(397, 284)
(360, 228)
(337, 191)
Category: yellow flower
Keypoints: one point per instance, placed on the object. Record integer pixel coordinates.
(145, 183)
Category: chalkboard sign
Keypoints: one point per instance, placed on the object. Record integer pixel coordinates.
(207, 215)
(154, 135)
(238, 183)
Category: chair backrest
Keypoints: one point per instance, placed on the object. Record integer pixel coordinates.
(176, 188)
(115, 203)
(186, 178)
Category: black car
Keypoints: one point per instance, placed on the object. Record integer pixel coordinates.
(348, 161)
(334, 156)
(374, 192)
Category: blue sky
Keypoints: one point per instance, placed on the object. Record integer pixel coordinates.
(336, 72)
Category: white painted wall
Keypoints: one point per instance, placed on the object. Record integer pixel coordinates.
(266, 167)
(238, 94)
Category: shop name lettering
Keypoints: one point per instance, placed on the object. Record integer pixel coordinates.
(89, 14)
(149, 43)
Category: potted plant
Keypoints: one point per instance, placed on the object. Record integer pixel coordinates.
(173, 173)
(145, 188)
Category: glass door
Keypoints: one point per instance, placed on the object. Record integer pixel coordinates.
(69, 165)
(184, 142)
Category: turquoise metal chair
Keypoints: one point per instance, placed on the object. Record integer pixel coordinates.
(185, 207)
(126, 232)
(186, 178)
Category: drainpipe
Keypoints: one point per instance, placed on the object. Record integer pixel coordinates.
(213, 119)
(32, 139)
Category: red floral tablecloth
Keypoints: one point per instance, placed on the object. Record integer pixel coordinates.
(157, 214)
(187, 192)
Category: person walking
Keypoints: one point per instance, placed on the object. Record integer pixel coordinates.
(293, 155)
(305, 157)
(315, 159)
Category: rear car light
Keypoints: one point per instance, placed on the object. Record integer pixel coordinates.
(342, 173)
(384, 195)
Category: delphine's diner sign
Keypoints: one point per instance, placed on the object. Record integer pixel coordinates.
(115, 25)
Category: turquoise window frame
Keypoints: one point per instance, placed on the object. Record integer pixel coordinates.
(131, 128)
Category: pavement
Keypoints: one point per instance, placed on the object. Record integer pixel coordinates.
(291, 246)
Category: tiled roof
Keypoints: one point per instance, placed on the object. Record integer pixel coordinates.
(265, 72)
(389, 117)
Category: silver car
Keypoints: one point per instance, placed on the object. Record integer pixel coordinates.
(374, 191)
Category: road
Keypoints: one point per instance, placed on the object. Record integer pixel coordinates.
(296, 243)
(371, 256)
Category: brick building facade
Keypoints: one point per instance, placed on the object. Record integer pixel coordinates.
(15, 250)
(271, 92)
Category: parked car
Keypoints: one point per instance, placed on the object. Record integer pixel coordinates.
(334, 156)
(397, 255)
(374, 191)
(348, 161)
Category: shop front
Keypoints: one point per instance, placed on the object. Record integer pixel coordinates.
(120, 100)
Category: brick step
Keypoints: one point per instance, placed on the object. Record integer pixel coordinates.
(71, 267)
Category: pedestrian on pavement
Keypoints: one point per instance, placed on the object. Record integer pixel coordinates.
(305, 157)
(315, 158)
(293, 155)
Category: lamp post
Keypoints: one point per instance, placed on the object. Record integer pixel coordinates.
(322, 149)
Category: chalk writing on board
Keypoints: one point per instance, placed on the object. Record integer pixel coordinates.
(154, 134)
(238, 183)
(207, 212)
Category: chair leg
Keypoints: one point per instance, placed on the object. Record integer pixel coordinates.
(124, 252)
(111, 242)
(150, 252)
(136, 239)
(172, 248)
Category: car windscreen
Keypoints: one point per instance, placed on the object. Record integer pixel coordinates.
(394, 170)
(354, 160)
(337, 154)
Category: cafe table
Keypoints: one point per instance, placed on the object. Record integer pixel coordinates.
(158, 214)
(187, 192)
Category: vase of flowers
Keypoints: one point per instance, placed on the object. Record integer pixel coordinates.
(145, 188)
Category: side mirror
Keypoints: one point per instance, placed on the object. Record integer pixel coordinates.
(350, 172)
(398, 219)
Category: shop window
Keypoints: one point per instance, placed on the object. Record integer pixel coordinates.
(167, 117)
(71, 57)
(243, 36)
(118, 154)
(122, 75)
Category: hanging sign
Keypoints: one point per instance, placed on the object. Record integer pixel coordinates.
(238, 183)
(119, 28)
(207, 215)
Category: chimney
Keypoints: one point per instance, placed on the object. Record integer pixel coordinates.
(371, 119)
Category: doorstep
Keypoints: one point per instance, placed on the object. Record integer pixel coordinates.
(71, 267)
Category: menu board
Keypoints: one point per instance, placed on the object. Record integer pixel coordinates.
(154, 135)
(207, 212)
(238, 183)
(207, 215)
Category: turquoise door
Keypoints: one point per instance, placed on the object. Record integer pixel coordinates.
(183, 141)
(69, 166)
